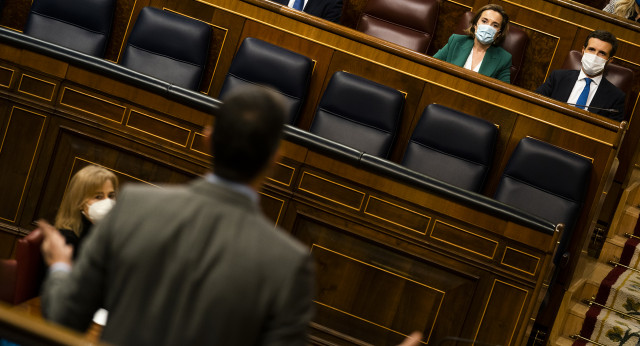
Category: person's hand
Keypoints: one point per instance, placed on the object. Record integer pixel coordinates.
(54, 247)
(413, 339)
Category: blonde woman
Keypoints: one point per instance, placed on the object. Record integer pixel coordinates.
(629, 9)
(89, 197)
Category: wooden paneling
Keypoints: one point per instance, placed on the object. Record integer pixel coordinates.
(14, 14)
(74, 150)
(21, 131)
(396, 214)
(499, 325)
(37, 87)
(448, 18)
(392, 256)
(379, 295)
(464, 239)
(93, 105)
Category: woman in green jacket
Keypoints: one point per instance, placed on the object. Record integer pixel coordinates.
(478, 50)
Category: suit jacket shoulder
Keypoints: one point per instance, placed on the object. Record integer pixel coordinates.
(326, 9)
(497, 64)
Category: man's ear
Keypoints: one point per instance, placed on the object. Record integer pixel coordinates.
(207, 132)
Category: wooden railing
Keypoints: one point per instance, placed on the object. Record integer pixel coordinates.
(395, 250)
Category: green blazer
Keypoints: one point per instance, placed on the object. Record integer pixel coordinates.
(496, 62)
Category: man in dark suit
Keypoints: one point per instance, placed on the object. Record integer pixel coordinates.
(325, 9)
(587, 87)
(196, 264)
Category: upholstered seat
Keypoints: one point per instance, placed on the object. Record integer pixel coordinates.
(546, 181)
(82, 25)
(20, 278)
(452, 146)
(515, 43)
(409, 23)
(262, 63)
(359, 113)
(168, 46)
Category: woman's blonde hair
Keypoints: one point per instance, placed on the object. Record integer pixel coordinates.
(82, 186)
(624, 8)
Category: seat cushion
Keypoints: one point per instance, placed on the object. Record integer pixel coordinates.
(359, 113)
(262, 63)
(82, 25)
(168, 46)
(452, 146)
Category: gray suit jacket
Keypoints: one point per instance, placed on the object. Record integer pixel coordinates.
(196, 264)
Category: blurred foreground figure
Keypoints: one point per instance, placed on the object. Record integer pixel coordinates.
(196, 264)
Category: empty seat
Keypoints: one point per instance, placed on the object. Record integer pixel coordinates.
(546, 181)
(168, 46)
(357, 112)
(82, 25)
(20, 278)
(452, 146)
(262, 63)
(515, 43)
(409, 23)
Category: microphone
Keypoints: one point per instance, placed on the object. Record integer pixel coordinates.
(610, 110)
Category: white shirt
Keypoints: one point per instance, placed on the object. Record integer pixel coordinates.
(469, 61)
(292, 1)
(579, 86)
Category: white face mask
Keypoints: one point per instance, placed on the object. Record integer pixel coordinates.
(485, 33)
(592, 64)
(99, 209)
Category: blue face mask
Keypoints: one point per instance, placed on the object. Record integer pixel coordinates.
(485, 33)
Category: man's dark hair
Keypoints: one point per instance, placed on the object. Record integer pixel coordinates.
(247, 132)
(606, 37)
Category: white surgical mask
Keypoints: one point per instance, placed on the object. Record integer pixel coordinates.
(99, 209)
(592, 64)
(485, 33)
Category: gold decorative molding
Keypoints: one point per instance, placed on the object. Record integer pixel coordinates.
(439, 292)
(462, 244)
(493, 286)
(305, 186)
(65, 101)
(408, 213)
(159, 123)
(193, 140)
(522, 253)
(289, 179)
(277, 199)
(33, 158)
(8, 83)
(38, 80)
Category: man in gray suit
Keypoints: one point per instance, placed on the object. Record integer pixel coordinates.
(196, 264)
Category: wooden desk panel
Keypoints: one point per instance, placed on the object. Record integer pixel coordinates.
(389, 235)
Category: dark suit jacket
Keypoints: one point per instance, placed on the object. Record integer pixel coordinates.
(559, 84)
(325, 9)
(190, 265)
(496, 62)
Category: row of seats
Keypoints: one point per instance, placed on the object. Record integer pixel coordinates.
(162, 44)
(446, 144)
(412, 24)
(175, 48)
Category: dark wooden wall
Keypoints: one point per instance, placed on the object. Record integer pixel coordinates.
(391, 257)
